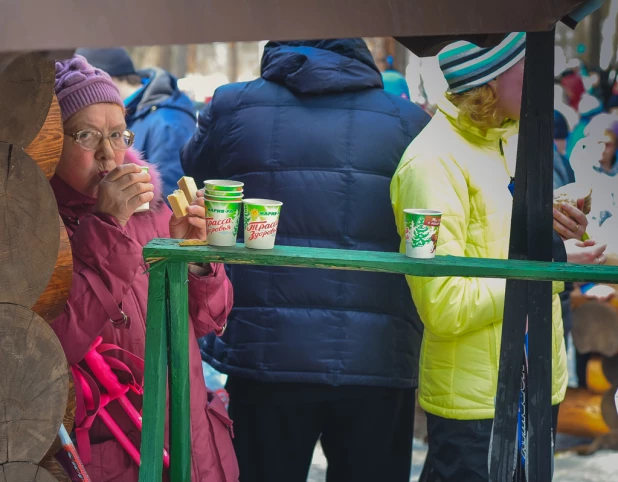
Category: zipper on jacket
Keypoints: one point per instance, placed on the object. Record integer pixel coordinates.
(506, 164)
(494, 352)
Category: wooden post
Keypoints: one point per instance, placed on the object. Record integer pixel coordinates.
(595, 22)
(538, 128)
(26, 90)
(154, 411)
(25, 472)
(29, 232)
(531, 238)
(180, 421)
(46, 147)
(33, 385)
(232, 61)
(52, 301)
(401, 56)
(192, 59)
(179, 60)
(165, 57)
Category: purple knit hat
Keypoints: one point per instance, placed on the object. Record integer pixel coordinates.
(79, 84)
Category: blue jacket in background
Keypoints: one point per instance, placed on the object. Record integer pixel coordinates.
(163, 119)
(318, 133)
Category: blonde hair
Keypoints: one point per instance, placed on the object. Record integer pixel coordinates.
(478, 106)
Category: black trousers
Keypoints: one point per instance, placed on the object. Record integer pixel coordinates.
(459, 449)
(366, 432)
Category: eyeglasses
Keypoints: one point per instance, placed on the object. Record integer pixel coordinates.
(90, 139)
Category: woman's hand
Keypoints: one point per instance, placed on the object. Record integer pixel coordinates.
(193, 225)
(122, 191)
(585, 252)
(572, 223)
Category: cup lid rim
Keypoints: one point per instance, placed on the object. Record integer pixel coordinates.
(223, 183)
(262, 202)
(432, 212)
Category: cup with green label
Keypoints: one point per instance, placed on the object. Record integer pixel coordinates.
(222, 218)
(422, 227)
(261, 218)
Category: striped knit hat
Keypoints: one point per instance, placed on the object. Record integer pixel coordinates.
(466, 66)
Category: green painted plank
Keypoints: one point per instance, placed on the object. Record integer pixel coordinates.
(180, 407)
(155, 371)
(383, 262)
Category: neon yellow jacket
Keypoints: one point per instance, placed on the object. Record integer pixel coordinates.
(462, 172)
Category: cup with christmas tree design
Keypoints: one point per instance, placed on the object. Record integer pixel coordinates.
(261, 218)
(422, 226)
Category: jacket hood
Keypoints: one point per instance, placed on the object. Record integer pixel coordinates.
(160, 90)
(67, 196)
(321, 66)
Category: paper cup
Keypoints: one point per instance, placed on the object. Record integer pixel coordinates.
(226, 194)
(222, 222)
(223, 185)
(422, 226)
(145, 206)
(261, 220)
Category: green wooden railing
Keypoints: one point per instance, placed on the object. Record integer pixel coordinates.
(167, 326)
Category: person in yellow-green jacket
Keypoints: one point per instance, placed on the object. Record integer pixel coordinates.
(457, 165)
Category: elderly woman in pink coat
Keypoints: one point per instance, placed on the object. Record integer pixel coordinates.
(99, 186)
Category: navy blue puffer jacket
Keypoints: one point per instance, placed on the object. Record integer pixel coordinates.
(318, 133)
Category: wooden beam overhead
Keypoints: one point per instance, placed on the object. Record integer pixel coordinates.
(66, 24)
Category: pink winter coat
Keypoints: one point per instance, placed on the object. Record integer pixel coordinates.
(114, 253)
